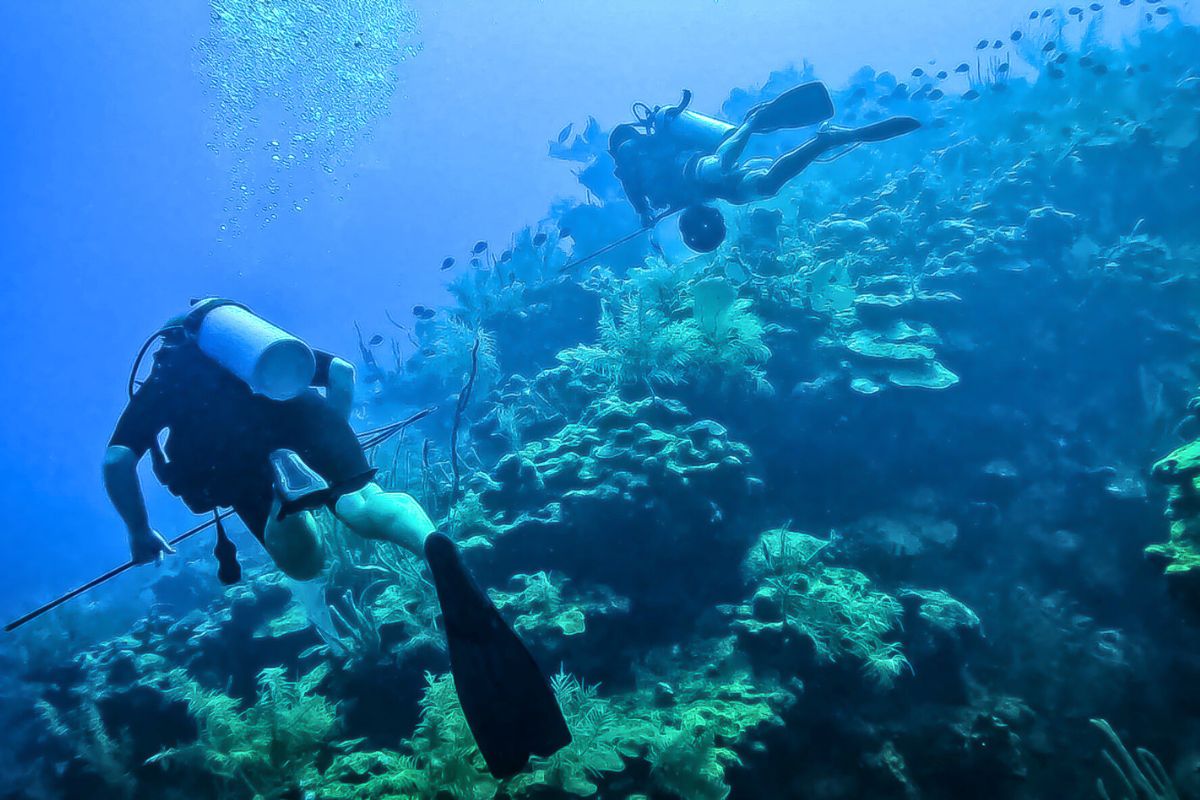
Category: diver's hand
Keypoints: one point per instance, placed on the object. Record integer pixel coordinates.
(148, 547)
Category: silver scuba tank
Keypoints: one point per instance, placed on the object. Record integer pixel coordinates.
(695, 130)
(271, 361)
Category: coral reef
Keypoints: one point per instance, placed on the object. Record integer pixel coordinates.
(956, 361)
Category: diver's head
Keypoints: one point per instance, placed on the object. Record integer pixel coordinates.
(626, 132)
(703, 228)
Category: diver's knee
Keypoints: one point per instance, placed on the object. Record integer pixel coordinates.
(305, 570)
(295, 546)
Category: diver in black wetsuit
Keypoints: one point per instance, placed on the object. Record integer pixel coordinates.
(674, 159)
(274, 461)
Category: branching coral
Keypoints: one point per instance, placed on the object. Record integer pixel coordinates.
(1143, 779)
(106, 756)
(836, 607)
(650, 340)
(268, 748)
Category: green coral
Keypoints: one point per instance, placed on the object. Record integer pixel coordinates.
(942, 611)
(542, 603)
(655, 340)
(602, 738)
(108, 757)
(837, 608)
(268, 748)
(1180, 471)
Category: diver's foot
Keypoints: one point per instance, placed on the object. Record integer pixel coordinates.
(886, 129)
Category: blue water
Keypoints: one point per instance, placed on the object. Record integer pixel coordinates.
(1015, 474)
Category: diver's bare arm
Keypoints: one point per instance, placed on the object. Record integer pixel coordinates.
(125, 492)
(340, 390)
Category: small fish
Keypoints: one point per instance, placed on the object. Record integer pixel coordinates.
(1074, 11)
(1129, 71)
(901, 91)
(1048, 47)
(1100, 69)
(375, 340)
(565, 132)
(479, 247)
(429, 352)
(964, 67)
(1126, 2)
(982, 44)
(539, 240)
(447, 263)
(1016, 36)
(423, 312)
(970, 94)
(1149, 17)
(1003, 68)
(942, 75)
(1033, 15)
(1062, 57)
(936, 94)
(1047, 12)
(918, 72)
(1162, 10)
(475, 262)
(564, 233)
(506, 256)
(996, 45)
(1095, 6)
(1056, 73)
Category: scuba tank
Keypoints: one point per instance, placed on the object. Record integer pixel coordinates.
(688, 129)
(697, 130)
(271, 361)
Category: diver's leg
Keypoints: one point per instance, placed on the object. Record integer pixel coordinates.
(792, 163)
(388, 516)
(294, 544)
(509, 706)
(732, 148)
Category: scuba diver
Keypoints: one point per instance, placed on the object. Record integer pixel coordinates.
(673, 159)
(247, 428)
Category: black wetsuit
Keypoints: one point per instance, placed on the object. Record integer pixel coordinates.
(220, 434)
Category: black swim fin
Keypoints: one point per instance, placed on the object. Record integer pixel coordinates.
(509, 705)
(798, 107)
